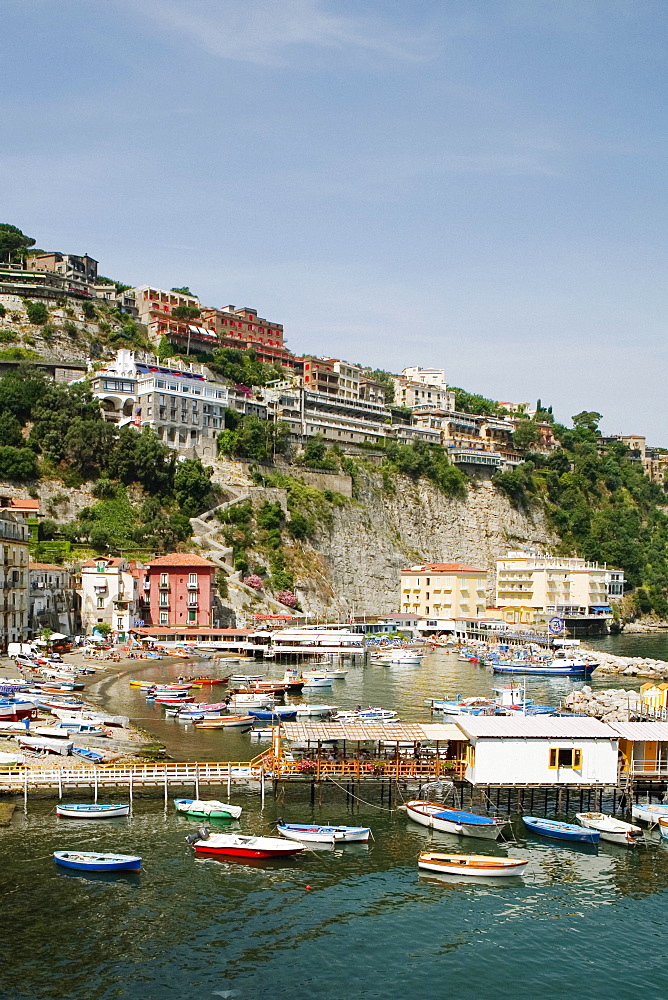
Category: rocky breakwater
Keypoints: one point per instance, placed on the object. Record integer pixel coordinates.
(611, 705)
(631, 666)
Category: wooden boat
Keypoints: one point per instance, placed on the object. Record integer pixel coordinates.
(324, 834)
(91, 810)
(646, 813)
(437, 817)
(471, 864)
(92, 861)
(226, 722)
(237, 846)
(60, 746)
(561, 831)
(207, 809)
(663, 827)
(611, 829)
(90, 755)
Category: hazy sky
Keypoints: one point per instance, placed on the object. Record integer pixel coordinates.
(476, 185)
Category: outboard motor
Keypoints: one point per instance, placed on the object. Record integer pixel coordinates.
(201, 834)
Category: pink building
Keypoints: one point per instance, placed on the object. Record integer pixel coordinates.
(178, 589)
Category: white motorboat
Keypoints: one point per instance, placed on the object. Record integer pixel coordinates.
(238, 846)
(405, 657)
(254, 700)
(317, 682)
(367, 714)
(315, 710)
(335, 675)
(614, 830)
(313, 833)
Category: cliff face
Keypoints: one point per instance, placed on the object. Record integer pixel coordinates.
(355, 567)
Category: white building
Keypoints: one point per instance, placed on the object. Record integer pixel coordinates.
(556, 585)
(52, 601)
(539, 751)
(423, 387)
(109, 595)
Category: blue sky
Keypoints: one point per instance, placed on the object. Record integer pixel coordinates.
(478, 186)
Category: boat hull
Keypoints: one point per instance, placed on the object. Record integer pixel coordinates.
(247, 847)
(561, 831)
(88, 861)
(472, 864)
(86, 811)
(612, 830)
(436, 817)
(586, 670)
(324, 834)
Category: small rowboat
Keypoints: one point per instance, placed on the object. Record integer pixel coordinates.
(437, 817)
(663, 827)
(471, 864)
(611, 829)
(90, 811)
(647, 813)
(236, 846)
(229, 722)
(207, 809)
(87, 754)
(324, 834)
(560, 831)
(91, 861)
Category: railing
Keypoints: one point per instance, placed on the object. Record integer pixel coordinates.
(321, 769)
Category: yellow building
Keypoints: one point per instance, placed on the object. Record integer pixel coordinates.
(654, 695)
(444, 590)
(556, 585)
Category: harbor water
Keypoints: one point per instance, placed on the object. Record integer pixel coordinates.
(349, 923)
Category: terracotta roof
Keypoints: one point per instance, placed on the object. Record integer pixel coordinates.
(180, 559)
(23, 504)
(110, 562)
(46, 566)
(443, 568)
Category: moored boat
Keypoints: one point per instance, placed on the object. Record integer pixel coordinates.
(93, 861)
(81, 810)
(207, 808)
(646, 813)
(437, 817)
(616, 831)
(229, 722)
(561, 831)
(471, 864)
(323, 834)
(238, 846)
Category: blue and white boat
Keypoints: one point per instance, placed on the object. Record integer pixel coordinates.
(436, 816)
(559, 667)
(92, 755)
(316, 834)
(93, 861)
(647, 813)
(90, 810)
(280, 713)
(560, 831)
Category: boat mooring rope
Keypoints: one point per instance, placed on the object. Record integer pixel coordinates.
(359, 798)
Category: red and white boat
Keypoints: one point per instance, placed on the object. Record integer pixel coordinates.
(236, 846)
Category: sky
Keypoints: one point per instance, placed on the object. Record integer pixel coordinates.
(473, 185)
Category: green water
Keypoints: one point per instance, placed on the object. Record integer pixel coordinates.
(585, 921)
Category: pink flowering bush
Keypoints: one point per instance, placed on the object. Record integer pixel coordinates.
(253, 581)
(287, 597)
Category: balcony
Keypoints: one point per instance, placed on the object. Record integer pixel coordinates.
(192, 604)
(193, 585)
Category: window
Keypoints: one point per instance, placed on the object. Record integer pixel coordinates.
(100, 603)
(164, 581)
(192, 616)
(164, 600)
(470, 756)
(565, 757)
(164, 618)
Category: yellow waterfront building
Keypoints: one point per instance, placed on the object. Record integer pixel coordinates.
(444, 590)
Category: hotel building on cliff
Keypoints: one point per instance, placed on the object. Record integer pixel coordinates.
(444, 590)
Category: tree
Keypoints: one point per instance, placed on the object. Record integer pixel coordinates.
(192, 487)
(470, 402)
(587, 420)
(18, 464)
(185, 312)
(526, 435)
(10, 430)
(182, 291)
(37, 312)
(103, 629)
(13, 244)
(89, 311)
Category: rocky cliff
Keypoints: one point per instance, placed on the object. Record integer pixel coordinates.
(355, 566)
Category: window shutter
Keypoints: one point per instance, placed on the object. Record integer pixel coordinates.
(553, 757)
(577, 760)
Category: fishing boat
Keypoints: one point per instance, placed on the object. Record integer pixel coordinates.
(366, 714)
(91, 755)
(558, 667)
(315, 710)
(646, 813)
(437, 817)
(324, 834)
(282, 713)
(614, 830)
(483, 865)
(256, 700)
(91, 811)
(406, 658)
(226, 722)
(60, 746)
(237, 846)
(561, 831)
(317, 682)
(207, 809)
(91, 861)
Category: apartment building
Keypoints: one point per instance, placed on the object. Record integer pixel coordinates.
(14, 542)
(178, 589)
(52, 600)
(183, 403)
(471, 440)
(155, 309)
(423, 387)
(244, 329)
(443, 590)
(123, 300)
(108, 591)
(79, 271)
(555, 585)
